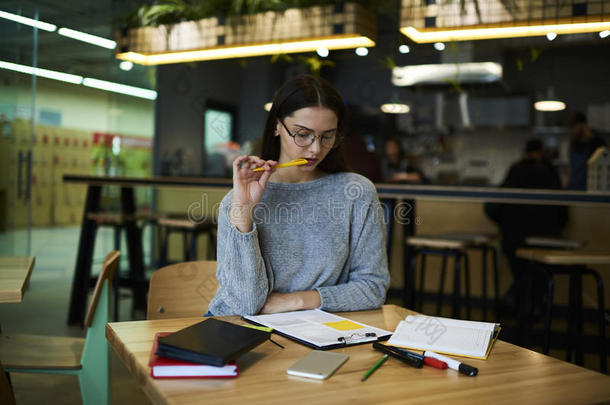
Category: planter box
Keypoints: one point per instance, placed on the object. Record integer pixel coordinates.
(321, 22)
(442, 14)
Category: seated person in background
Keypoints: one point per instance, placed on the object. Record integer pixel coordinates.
(518, 221)
(582, 145)
(396, 168)
(300, 237)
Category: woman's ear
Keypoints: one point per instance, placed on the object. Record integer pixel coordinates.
(277, 128)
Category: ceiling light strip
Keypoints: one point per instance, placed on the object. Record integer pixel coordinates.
(75, 79)
(66, 32)
(84, 37)
(120, 88)
(501, 32)
(246, 50)
(28, 21)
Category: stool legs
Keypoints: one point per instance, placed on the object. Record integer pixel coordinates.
(494, 255)
(186, 254)
(116, 280)
(601, 313)
(456, 287)
(193, 252)
(484, 280)
(441, 287)
(548, 313)
(467, 284)
(422, 272)
(575, 319)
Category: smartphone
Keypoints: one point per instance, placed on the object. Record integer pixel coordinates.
(318, 364)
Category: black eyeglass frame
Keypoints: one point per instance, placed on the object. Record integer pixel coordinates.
(338, 138)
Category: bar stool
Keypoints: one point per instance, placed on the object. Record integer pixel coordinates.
(135, 280)
(573, 264)
(484, 243)
(170, 223)
(425, 245)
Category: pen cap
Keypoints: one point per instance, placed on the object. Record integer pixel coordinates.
(468, 370)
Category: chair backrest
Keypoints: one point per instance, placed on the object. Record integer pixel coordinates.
(106, 273)
(182, 290)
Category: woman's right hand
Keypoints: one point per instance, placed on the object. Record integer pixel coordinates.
(248, 188)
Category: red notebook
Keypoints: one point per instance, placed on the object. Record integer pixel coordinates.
(162, 367)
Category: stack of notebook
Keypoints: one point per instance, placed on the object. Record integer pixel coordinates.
(207, 349)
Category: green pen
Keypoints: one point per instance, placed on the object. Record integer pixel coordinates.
(375, 367)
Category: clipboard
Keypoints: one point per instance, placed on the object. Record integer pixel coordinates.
(319, 330)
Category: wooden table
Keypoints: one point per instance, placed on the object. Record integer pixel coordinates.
(510, 375)
(14, 276)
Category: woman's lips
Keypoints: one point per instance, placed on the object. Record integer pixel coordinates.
(311, 161)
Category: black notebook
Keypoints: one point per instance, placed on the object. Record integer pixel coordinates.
(210, 342)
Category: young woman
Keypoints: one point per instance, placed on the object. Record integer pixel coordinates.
(300, 237)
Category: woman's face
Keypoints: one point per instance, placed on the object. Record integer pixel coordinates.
(318, 121)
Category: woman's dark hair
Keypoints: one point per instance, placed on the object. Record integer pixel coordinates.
(301, 92)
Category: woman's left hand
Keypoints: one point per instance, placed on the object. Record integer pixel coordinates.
(294, 301)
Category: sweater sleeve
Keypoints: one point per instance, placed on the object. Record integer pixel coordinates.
(244, 281)
(368, 278)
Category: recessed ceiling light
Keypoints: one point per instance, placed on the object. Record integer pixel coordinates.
(126, 65)
(322, 51)
(28, 21)
(395, 108)
(551, 36)
(362, 51)
(75, 79)
(120, 88)
(404, 49)
(604, 33)
(90, 39)
(439, 46)
(549, 105)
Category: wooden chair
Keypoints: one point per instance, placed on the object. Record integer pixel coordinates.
(86, 358)
(182, 290)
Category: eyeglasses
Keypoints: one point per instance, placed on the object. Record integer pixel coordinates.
(305, 137)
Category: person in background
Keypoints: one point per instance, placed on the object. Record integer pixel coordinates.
(396, 168)
(582, 145)
(300, 237)
(518, 221)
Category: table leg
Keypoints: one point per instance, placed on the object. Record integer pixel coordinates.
(134, 247)
(84, 258)
(456, 286)
(578, 354)
(408, 226)
(484, 280)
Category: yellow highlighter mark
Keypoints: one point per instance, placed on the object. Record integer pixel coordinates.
(344, 325)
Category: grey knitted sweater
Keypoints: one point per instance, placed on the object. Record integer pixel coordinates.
(327, 235)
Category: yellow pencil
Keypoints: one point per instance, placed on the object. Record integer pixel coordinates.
(296, 162)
